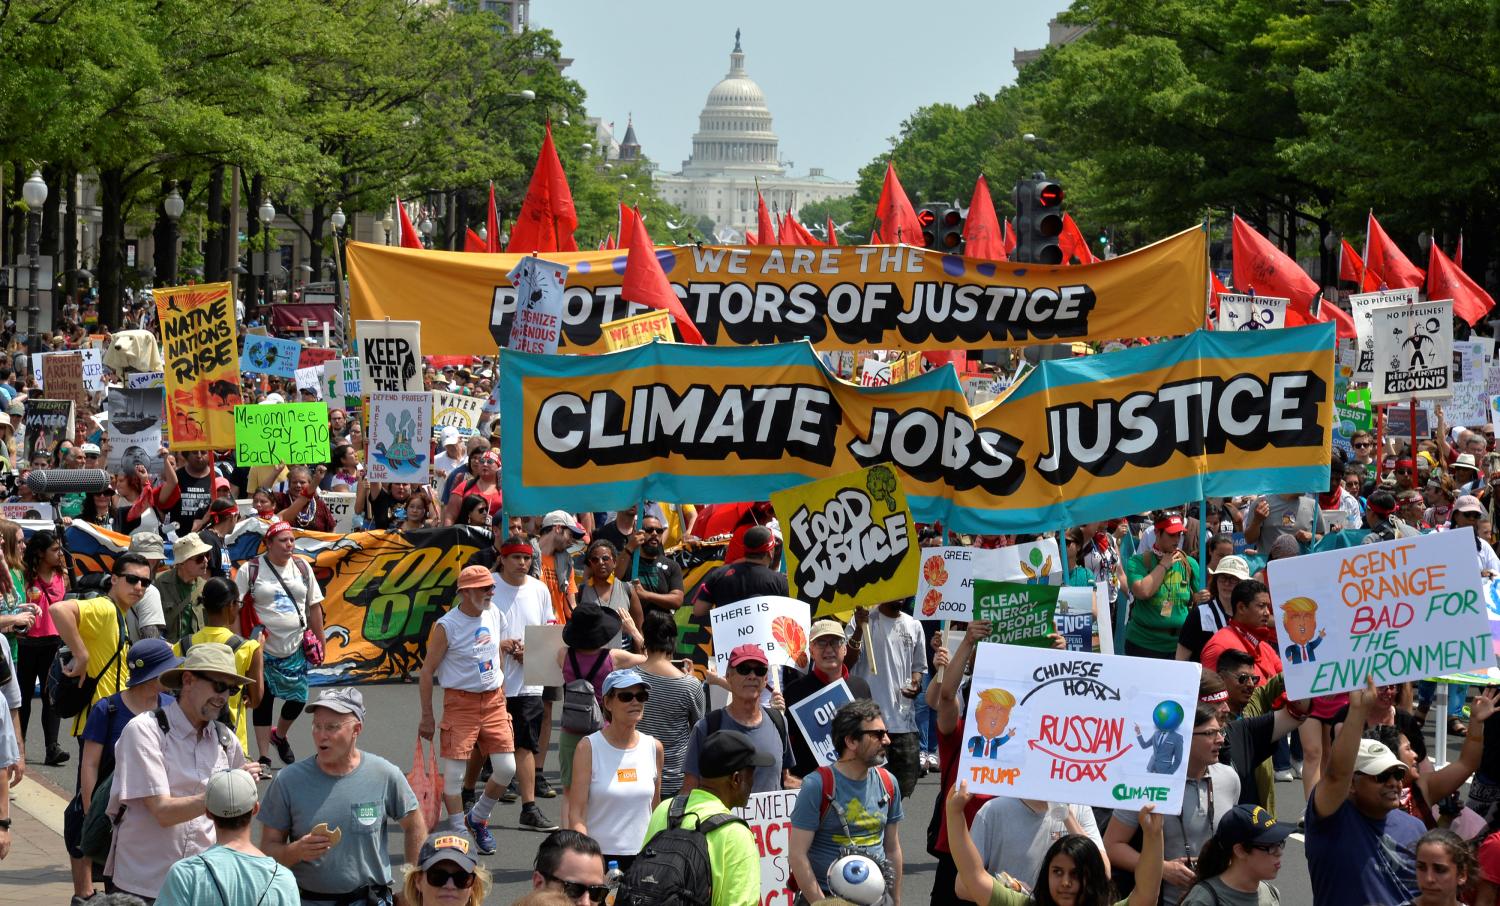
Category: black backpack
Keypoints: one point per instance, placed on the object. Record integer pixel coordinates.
(673, 868)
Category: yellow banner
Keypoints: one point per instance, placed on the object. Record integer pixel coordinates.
(1210, 414)
(849, 540)
(641, 328)
(850, 297)
(202, 370)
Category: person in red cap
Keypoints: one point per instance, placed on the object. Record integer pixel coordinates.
(766, 727)
(1162, 580)
(464, 653)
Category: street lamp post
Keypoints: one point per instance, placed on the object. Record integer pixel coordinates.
(339, 219)
(34, 193)
(267, 214)
(427, 227)
(172, 206)
(389, 222)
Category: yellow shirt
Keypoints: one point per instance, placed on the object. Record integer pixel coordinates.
(99, 623)
(243, 655)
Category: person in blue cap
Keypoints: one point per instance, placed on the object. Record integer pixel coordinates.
(617, 773)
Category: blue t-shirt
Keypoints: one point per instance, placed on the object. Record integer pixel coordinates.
(860, 804)
(766, 738)
(107, 720)
(1377, 857)
(221, 872)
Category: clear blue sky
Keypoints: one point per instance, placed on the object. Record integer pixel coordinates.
(839, 77)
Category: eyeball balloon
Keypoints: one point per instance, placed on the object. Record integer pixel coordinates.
(857, 879)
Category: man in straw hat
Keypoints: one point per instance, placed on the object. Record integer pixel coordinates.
(181, 586)
(162, 764)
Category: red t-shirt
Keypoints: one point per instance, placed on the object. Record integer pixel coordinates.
(950, 747)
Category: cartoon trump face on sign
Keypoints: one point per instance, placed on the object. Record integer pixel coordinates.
(991, 716)
(1300, 617)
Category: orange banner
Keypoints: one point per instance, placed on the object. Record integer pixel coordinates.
(202, 370)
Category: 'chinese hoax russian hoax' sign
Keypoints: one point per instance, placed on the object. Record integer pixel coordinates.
(1400, 610)
(1072, 726)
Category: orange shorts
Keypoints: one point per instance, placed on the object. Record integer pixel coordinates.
(475, 717)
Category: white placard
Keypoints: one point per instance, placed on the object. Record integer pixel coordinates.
(399, 437)
(1238, 312)
(1363, 306)
(1469, 405)
(1400, 610)
(93, 368)
(310, 378)
(143, 380)
(776, 625)
(456, 410)
(537, 324)
(1073, 726)
(945, 582)
(390, 356)
(26, 510)
(341, 505)
(1413, 351)
(874, 373)
(770, 818)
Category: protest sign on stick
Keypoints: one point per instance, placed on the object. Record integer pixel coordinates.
(776, 625)
(814, 716)
(1406, 609)
(270, 355)
(456, 410)
(1363, 306)
(1413, 351)
(537, 325)
(64, 378)
(1240, 312)
(202, 370)
(638, 329)
(850, 540)
(1019, 614)
(390, 356)
(400, 425)
(1069, 726)
(285, 434)
(134, 428)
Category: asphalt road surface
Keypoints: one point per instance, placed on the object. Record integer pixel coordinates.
(391, 730)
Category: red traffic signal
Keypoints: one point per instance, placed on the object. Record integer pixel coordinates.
(925, 217)
(1049, 195)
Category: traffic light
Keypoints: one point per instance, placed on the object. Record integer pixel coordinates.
(942, 228)
(1039, 221)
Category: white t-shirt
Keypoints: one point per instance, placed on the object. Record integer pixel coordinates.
(444, 464)
(284, 617)
(1012, 838)
(473, 657)
(527, 604)
(146, 612)
(896, 645)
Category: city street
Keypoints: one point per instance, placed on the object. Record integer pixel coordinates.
(391, 729)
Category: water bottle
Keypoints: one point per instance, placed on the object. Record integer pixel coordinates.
(612, 879)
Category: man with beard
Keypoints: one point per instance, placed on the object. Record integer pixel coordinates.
(657, 579)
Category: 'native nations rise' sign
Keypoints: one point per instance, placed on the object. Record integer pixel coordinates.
(202, 370)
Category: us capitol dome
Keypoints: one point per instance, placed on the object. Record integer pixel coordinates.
(733, 148)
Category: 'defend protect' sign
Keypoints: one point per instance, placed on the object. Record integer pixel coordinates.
(1400, 610)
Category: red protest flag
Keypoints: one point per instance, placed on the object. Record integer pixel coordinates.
(409, 237)
(982, 236)
(608, 242)
(1010, 240)
(794, 233)
(1213, 300)
(833, 236)
(645, 283)
(765, 227)
(895, 218)
(628, 217)
(1385, 264)
(547, 219)
(1260, 266)
(1073, 244)
(750, 237)
(1446, 280)
(1351, 268)
(492, 225)
(473, 242)
(786, 231)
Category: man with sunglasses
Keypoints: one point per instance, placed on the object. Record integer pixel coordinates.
(95, 631)
(1363, 444)
(657, 579)
(572, 863)
(1252, 722)
(182, 585)
(766, 727)
(1361, 847)
(163, 762)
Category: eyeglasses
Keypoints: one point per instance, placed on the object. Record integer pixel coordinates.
(438, 876)
(828, 641)
(1274, 849)
(1212, 734)
(602, 559)
(574, 890)
(747, 669)
(220, 686)
(1247, 679)
(134, 580)
(1389, 775)
(878, 734)
(628, 697)
(1363, 444)
(653, 531)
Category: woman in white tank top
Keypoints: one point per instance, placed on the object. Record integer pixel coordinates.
(617, 773)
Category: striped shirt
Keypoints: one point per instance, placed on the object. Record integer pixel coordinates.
(675, 705)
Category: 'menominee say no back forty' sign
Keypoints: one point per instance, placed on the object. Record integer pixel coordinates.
(1210, 414)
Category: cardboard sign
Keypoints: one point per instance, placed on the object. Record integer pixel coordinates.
(850, 540)
(1400, 610)
(1363, 306)
(341, 505)
(310, 378)
(540, 667)
(770, 818)
(1413, 351)
(45, 423)
(134, 430)
(93, 368)
(1019, 614)
(63, 374)
(945, 583)
(270, 355)
(390, 356)
(141, 380)
(537, 325)
(19, 511)
(1469, 404)
(398, 437)
(455, 410)
(638, 330)
(1066, 726)
(202, 370)
(285, 434)
(1239, 312)
(814, 717)
(776, 625)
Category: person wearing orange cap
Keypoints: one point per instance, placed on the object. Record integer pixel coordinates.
(464, 653)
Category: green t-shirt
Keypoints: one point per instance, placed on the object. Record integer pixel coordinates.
(1149, 627)
(732, 851)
